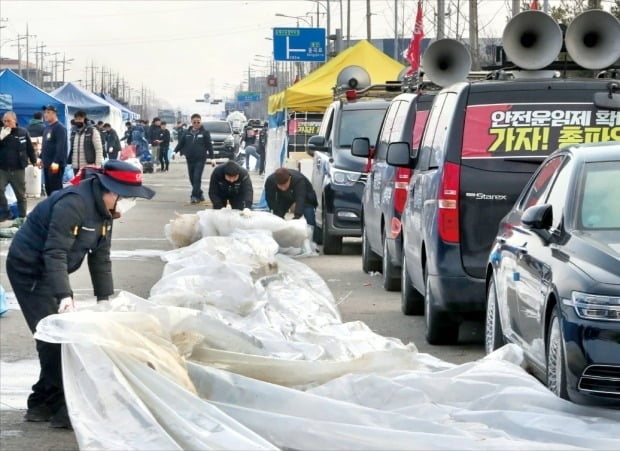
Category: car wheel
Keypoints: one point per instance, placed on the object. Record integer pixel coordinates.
(440, 328)
(391, 275)
(370, 261)
(331, 244)
(493, 335)
(411, 300)
(556, 361)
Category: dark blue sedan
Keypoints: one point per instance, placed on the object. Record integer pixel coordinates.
(553, 277)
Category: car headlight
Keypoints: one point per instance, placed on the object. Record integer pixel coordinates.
(592, 306)
(345, 178)
(229, 140)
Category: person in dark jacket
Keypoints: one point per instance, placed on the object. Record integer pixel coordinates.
(16, 151)
(196, 146)
(127, 135)
(154, 136)
(36, 126)
(53, 150)
(262, 147)
(288, 189)
(230, 183)
(61, 231)
(112, 144)
(164, 146)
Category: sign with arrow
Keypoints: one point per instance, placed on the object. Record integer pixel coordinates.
(299, 44)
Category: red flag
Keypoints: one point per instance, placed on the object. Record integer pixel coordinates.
(413, 53)
(534, 5)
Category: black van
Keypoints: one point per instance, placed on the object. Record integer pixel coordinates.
(385, 192)
(481, 144)
(338, 177)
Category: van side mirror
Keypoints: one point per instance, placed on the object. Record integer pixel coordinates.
(538, 217)
(315, 143)
(360, 147)
(398, 155)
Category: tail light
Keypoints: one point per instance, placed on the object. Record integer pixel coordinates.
(401, 184)
(449, 203)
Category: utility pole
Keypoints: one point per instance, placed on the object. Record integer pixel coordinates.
(64, 63)
(55, 68)
(92, 76)
(328, 18)
(348, 23)
(516, 7)
(368, 34)
(26, 36)
(441, 16)
(39, 50)
(103, 74)
(473, 35)
(396, 30)
(341, 16)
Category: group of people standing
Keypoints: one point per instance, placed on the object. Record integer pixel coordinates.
(156, 136)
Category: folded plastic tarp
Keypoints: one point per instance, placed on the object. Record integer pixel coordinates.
(253, 355)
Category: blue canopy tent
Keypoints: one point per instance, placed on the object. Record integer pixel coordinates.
(128, 115)
(95, 107)
(26, 98)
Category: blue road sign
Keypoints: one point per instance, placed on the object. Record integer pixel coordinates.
(246, 96)
(299, 44)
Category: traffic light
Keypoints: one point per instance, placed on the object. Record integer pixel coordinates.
(335, 47)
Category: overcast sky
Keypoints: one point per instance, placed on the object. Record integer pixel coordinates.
(183, 49)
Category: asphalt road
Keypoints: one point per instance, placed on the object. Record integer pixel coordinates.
(360, 296)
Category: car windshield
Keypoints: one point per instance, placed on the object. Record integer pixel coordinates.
(599, 196)
(218, 127)
(359, 124)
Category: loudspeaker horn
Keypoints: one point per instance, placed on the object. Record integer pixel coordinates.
(593, 39)
(532, 40)
(353, 77)
(446, 61)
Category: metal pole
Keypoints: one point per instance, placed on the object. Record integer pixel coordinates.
(348, 23)
(368, 35)
(516, 7)
(441, 14)
(328, 31)
(396, 30)
(473, 35)
(317, 14)
(27, 55)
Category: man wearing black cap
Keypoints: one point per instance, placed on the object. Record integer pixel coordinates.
(54, 150)
(230, 183)
(60, 231)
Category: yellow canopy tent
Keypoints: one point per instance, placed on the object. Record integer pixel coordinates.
(314, 92)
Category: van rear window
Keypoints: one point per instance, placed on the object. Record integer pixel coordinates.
(525, 130)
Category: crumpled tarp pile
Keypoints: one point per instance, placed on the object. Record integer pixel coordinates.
(293, 236)
(240, 347)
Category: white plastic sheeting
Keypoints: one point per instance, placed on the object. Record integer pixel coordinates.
(292, 236)
(260, 359)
